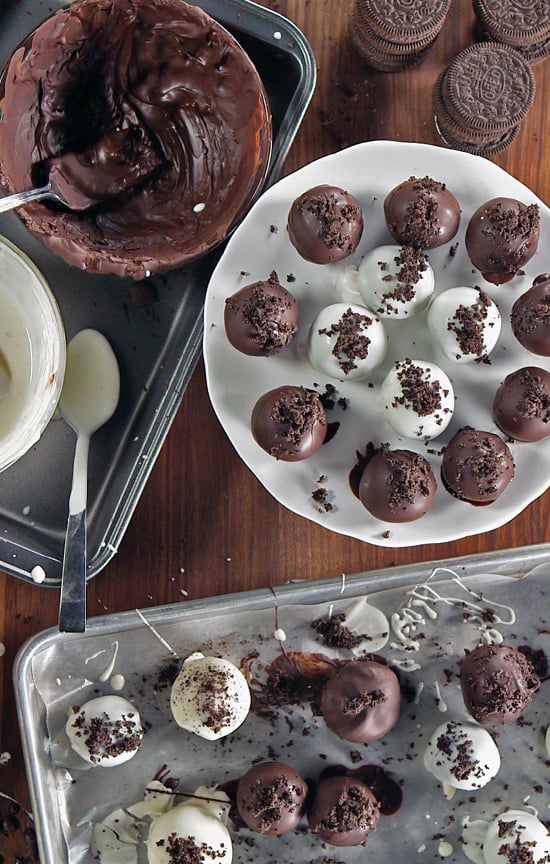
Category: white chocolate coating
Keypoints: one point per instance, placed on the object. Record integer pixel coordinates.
(383, 288)
(522, 832)
(332, 332)
(405, 415)
(462, 756)
(457, 313)
(106, 731)
(210, 697)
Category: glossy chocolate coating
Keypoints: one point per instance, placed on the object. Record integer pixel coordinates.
(361, 701)
(521, 407)
(289, 423)
(325, 224)
(498, 683)
(502, 235)
(476, 466)
(167, 71)
(343, 812)
(397, 485)
(422, 213)
(530, 317)
(271, 798)
(262, 318)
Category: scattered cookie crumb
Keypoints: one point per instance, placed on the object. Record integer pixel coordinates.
(320, 496)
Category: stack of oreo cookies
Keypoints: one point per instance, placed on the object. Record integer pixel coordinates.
(391, 35)
(481, 98)
(521, 24)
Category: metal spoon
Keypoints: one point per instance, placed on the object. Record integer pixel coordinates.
(88, 399)
(115, 164)
(10, 202)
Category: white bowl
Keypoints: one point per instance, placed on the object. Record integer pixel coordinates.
(32, 349)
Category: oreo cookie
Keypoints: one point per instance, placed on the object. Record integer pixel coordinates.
(518, 23)
(481, 98)
(391, 35)
(459, 138)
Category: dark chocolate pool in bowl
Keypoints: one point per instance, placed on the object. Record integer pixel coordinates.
(182, 84)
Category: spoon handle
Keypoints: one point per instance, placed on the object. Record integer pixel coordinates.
(19, 198)
(72, 606)
(72, 603)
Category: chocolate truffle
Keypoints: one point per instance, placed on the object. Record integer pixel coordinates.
(530, 317)
(271, 798)
(395, 281)
(325, 224)
(521, 407)
(417, 398)
(361, 701)
(289, 423)
(464, 323)
(422, 213)
(344, 812)
(188, 93)
(262, 318)
(346, 341)
(397, 485)
(476, 466)
(501, 237)
(498, 683)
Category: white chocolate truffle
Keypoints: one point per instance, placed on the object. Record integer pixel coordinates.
(417, 399)
(192, 831)
(106, 731)
(210, 697)
(462, 756)
(347, 341)
(516, 835)
(395, 281)
(547, 740)
(464, 323)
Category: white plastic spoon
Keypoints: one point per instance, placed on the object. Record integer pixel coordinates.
(89, 398)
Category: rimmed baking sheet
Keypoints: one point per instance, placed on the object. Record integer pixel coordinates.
(462, 601)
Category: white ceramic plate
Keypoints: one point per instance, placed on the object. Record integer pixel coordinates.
(235, 381)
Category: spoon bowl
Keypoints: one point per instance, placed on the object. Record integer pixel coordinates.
(88, 399)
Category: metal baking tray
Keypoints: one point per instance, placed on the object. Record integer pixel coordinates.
(155, 328)
(59, 669)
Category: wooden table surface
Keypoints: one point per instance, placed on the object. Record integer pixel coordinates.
(204, 524)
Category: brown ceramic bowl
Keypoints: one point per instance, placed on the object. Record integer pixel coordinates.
(172, 77)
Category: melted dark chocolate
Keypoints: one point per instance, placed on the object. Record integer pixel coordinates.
(190, 95)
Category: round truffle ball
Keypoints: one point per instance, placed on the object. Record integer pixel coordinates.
(361, 701)
(271, 798)
(417, 399)
(395, 281)
(476, 466)
(422, 213)
(464, 323)
(346, 341)
(325, 224)
(530, 317)
(397, 485)
(501, 237)
(344, 812)
(261, 319)
(289, 423)
(462, 755)
(105, 731)
(521, 407)
(516, 834)
(498, 683)
(210, 697)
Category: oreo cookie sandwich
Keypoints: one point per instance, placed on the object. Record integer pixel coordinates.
(389, 35)
(482, 97)
(523, 26)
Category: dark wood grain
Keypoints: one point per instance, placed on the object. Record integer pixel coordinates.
(204, 525)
